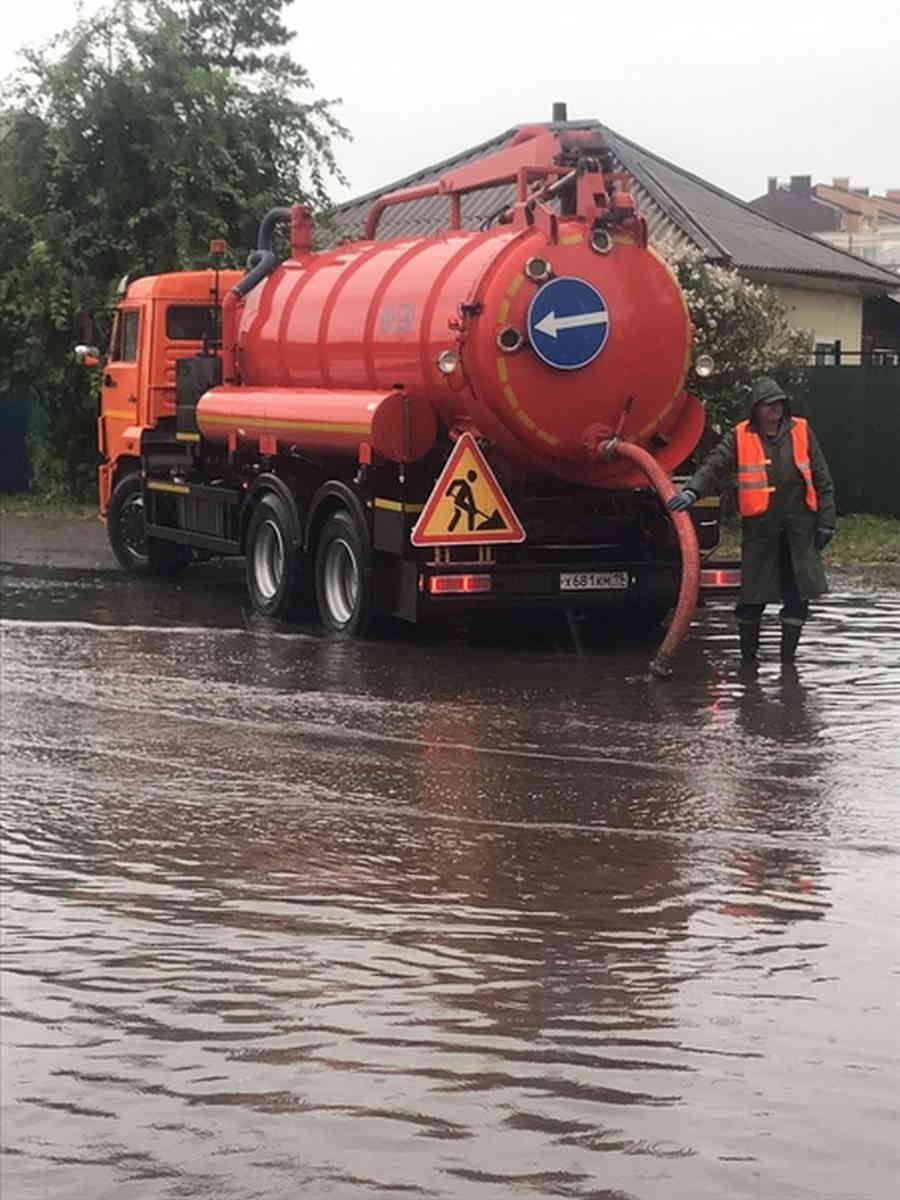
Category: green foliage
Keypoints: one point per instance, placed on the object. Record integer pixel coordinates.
(862, 540)
(126, 144)
(745, 330)
(36, 314)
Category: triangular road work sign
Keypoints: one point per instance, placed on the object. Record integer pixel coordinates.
(467, 505)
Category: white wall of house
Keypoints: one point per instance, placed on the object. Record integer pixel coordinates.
(831, 316)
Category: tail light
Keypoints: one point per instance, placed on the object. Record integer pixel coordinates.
(445, 585)
(723, 577)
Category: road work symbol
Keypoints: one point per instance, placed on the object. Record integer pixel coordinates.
(464, 499)
(568, 323)
(467, 504)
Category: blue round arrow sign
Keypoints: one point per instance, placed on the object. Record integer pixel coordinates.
(568, 323)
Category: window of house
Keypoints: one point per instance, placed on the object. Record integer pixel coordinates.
(125, 336)
(191, 323)
(825, 354)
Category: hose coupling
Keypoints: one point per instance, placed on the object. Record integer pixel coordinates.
(600, 443)
(660, 667)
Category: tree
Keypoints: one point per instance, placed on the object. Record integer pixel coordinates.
(744, 328)
(129, 142)
(36, 363)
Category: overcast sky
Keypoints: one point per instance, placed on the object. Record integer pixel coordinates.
(734, 94)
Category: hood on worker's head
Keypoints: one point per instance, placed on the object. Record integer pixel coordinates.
(764, 391)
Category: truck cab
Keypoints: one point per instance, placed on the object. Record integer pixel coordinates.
(159, 319)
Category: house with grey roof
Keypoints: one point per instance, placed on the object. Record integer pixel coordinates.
(825, 290)
(853, 219)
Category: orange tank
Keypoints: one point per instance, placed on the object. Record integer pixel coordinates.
(545, 335)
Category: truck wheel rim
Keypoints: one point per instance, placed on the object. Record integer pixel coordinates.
(268, 560)
(341, 580)
(133, 528)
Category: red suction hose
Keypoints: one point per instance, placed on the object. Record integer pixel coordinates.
(690, 554)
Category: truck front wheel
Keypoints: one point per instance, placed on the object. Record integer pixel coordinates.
(275, 566)
(126, 527)
(344, 577)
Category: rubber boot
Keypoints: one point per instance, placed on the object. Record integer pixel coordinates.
(790, 636)
(749, 634)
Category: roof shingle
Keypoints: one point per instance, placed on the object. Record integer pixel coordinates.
(675, 203)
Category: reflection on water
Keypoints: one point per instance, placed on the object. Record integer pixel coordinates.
(291, 915)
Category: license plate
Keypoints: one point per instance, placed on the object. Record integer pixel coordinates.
(593, 581)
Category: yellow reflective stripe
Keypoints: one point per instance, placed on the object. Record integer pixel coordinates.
(118, 414)
(155, 486)
(397, 505)
(760, 487)
(187, 437)
(279, 423)
(657, 420)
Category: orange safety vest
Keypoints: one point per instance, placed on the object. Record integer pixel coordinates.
(753, 479)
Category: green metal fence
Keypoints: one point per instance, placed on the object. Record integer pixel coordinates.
(15, 473)
(855, 412)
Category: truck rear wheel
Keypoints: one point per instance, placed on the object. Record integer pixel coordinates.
(275, 564)
(343, 577)
(126, 528)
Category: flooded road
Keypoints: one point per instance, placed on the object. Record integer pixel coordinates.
(429, 916)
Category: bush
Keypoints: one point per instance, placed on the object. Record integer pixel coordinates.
(745, 330)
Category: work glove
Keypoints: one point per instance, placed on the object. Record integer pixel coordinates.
(681, 500)
(823, 536)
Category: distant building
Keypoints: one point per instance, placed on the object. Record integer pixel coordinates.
(853, 220)
(849, 218)
(824, 289)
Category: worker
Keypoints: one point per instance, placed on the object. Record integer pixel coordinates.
(786, 502)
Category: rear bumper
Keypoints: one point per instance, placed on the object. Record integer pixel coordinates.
(644, 586)
(603, 585)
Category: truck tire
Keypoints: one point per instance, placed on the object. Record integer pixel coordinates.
(275, 564)
(344, 577)
(126, 529)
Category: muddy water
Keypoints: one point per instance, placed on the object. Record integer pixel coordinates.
(438, 917)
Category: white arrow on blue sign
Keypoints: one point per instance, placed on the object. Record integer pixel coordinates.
(568, 323)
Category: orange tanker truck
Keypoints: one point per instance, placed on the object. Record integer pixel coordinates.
(422, 425)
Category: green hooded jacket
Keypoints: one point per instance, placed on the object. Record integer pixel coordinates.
(787, 511)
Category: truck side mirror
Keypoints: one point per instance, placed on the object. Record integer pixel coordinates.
(88, 356)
